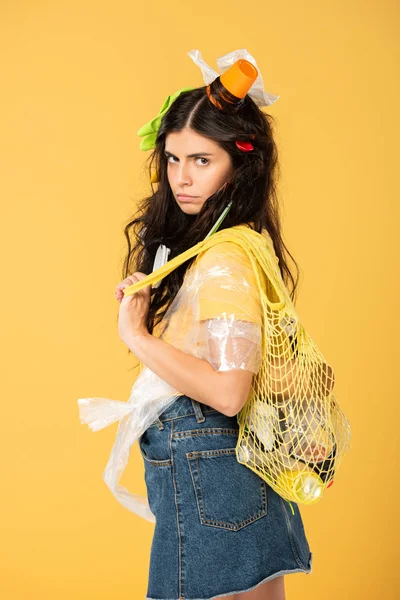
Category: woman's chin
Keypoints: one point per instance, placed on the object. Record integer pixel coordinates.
(190, 208)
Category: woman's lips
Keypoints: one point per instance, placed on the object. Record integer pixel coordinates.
(186, 198)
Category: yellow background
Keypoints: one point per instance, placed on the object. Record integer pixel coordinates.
(77, 81)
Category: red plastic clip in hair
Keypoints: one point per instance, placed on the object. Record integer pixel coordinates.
(244, 146)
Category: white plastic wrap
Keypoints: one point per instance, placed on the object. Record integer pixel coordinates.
(215, 316)
(149, 396)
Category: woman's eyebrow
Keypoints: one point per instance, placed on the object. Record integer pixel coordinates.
(189, 155)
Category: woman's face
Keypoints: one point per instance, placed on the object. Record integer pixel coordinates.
(196, 166)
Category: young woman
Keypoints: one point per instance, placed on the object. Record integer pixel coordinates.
(221, 531)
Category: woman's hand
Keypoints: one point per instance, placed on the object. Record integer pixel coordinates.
(134, 308)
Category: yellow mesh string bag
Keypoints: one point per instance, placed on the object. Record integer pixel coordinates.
(235, 311)
(293, 433)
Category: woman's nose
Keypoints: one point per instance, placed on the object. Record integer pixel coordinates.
(183, 174)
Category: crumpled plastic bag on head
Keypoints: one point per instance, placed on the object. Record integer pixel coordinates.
(215, 316)
(257, 92)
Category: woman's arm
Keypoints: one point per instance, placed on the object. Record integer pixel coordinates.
(226, 391)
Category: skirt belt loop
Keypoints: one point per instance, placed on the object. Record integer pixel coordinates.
(159, 423)
(200, 418)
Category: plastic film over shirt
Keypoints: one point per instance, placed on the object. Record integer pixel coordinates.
(216, 316)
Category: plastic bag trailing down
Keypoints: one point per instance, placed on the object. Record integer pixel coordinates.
(215, 316)
(150, 395)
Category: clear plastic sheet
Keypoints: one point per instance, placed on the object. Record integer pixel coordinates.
(215, 316)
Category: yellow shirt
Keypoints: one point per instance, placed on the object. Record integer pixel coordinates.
(227, 288)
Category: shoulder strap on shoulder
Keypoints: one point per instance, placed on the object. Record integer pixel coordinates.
(256, 245)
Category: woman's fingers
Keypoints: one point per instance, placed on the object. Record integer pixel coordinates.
(119, 292)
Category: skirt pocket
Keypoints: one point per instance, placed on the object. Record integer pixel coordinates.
(229, 495)
(154, 447)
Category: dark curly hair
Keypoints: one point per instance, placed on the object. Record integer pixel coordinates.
(252, 189)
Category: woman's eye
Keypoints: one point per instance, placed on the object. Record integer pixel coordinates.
(197, 158)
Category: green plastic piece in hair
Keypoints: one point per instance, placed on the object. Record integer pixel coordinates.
(149, 130)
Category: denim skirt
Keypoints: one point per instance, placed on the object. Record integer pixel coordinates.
(220, 529)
